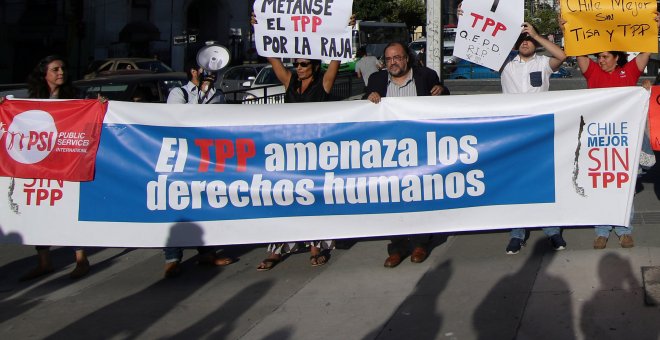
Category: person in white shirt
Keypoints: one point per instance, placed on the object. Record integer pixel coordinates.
(367, 65)
(200, 88)
(529, 72)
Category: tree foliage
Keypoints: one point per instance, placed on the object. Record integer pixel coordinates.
(544, 18)
(376, 10)
(411, 12)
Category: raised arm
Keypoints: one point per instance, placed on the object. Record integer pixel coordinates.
(642, 60)
(330, 75)
(283, 74)
(558, 55)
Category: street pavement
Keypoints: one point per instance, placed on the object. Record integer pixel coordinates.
(468, 288)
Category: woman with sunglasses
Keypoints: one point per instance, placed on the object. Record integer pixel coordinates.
(307, 83)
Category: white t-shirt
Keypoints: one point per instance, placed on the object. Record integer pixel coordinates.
(531, 76)
(367, 65)
(194, 96)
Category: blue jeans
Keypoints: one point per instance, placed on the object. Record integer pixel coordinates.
(520, 232)
(604, 230)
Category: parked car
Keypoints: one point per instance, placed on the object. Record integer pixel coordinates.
(232, 79)
(447, 50)
(150, 88)
(14, 90)
(111, 66)
(345, 66)
(266, 88)
(562, 72)
(417, 45)
(467, 70)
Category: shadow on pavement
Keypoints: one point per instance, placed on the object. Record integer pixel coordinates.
(60, 257)
(500, 315)
(134, 314)
(280, 334)
(220, 323)
(417, 316)
(611, 312)
(30, 298)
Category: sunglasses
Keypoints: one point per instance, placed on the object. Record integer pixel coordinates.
(302, 63)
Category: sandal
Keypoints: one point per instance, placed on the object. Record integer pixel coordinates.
(318, 260)
(268, 264)
(212, 260)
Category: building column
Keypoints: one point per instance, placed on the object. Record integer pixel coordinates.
(434, 35)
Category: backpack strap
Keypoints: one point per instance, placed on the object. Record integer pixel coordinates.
(185, 94)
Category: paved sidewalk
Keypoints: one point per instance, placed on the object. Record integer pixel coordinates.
(467, 289)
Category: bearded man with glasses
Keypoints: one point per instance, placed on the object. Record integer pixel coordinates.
(402, 79)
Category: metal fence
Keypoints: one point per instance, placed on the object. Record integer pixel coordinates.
(346, 85)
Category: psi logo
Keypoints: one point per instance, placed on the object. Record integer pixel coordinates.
(31, 136)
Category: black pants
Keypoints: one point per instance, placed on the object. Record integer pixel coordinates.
(402, 245)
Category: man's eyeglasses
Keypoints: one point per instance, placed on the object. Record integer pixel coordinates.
(396, 58)
(302, 63)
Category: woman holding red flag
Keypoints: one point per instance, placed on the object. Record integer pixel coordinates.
(50, 80)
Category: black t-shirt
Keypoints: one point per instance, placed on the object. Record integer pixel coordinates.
(314, 93)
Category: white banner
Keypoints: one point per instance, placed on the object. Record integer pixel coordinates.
(231, 174)
(310, 29)
(487, 31)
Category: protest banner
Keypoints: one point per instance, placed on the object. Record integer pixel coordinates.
(310, 29)
(50, 139)
(487, 31)
(616, 25)
(271, 173)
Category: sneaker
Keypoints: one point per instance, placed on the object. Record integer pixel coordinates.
(557, 242)
(600, 242)
(626, 241)
(515, 244)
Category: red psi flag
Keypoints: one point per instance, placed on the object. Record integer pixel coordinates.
(50, 139)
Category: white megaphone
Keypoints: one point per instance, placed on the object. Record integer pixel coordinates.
(213, 58)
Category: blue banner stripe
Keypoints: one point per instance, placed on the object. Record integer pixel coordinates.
(475, 162)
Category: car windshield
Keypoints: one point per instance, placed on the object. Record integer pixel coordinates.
(417, 45)
(153, 65)
(168, 85)
(110, 91)
(266, 77)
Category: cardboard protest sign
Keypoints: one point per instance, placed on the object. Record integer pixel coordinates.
(617, 25)
(487, 31)
(311, 29)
